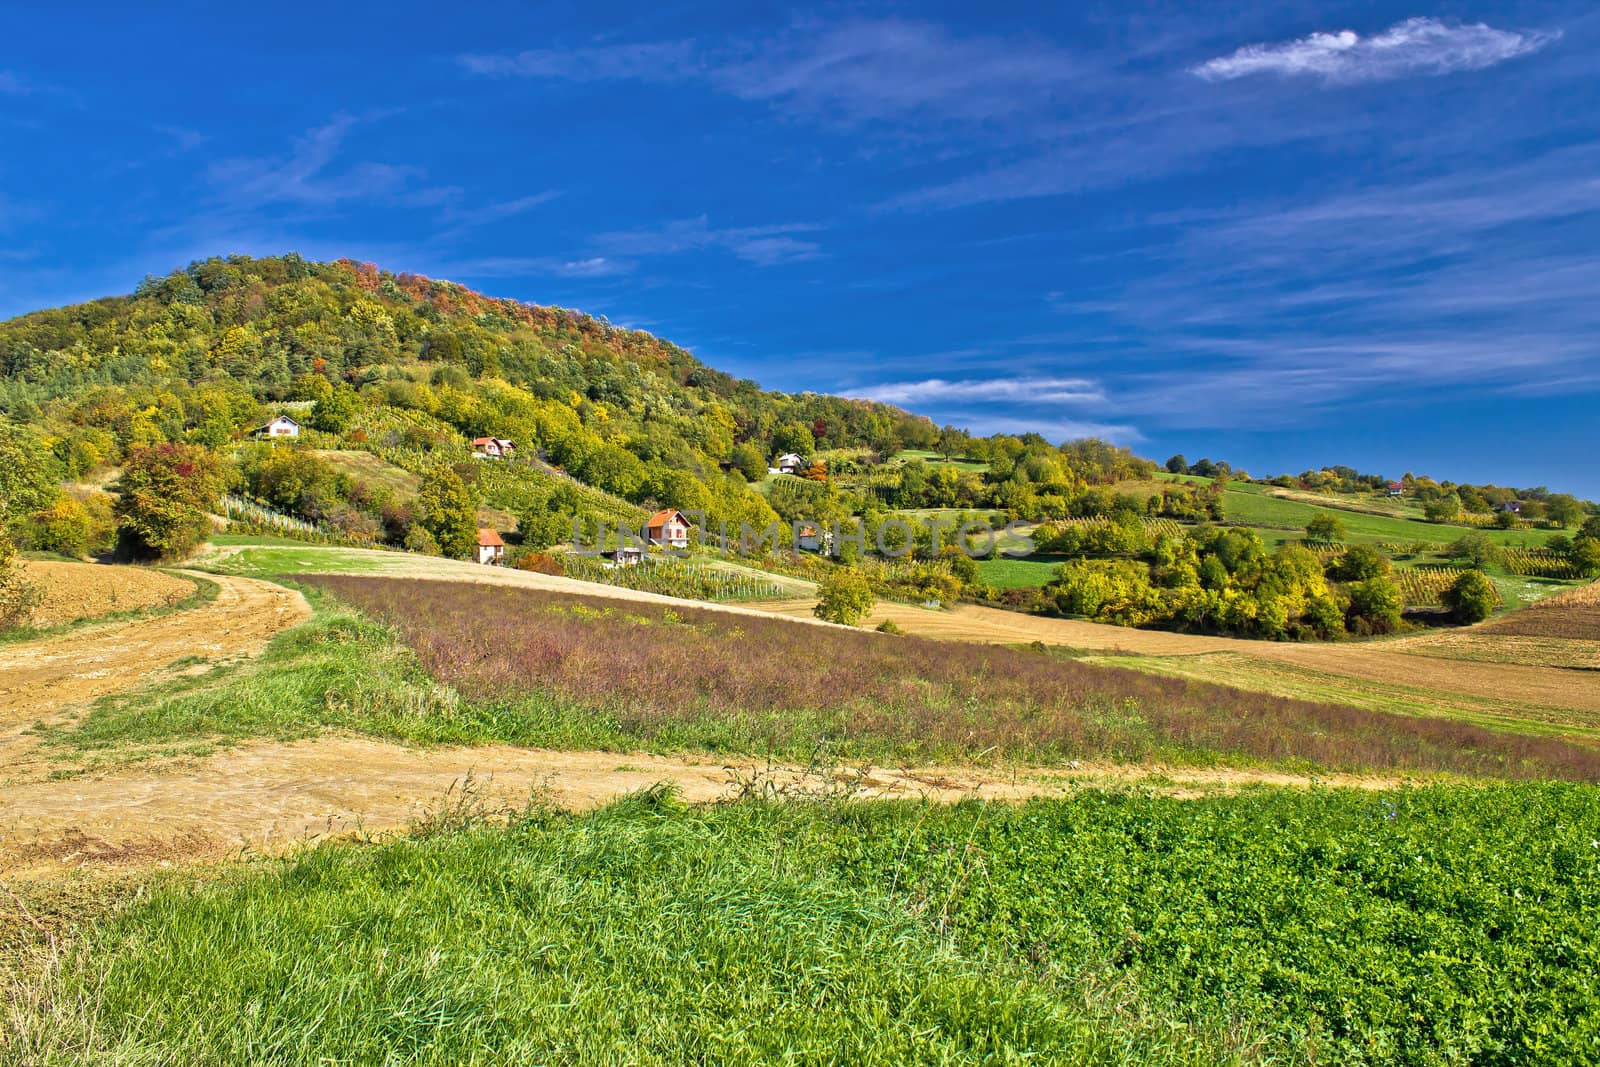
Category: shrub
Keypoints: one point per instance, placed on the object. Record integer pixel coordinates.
(844, 597)
(163, 498)
(1325, 528)
(889, 626)
(1472, 598)
(17, 594)
(63, 527)
(1375, 606)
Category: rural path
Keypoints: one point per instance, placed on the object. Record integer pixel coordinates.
(39, 679)
(267, 797)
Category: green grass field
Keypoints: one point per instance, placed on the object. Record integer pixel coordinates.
(1446, 925)
(1028, 573)
(1249, 505)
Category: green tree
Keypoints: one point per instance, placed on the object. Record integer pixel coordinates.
(1177, 464)
(17, 594)
(1446, 508)
(1472, 598)
(28, 474)
(1325, 528)
(62, 527)
(1359, 563)
(163, 499)
(449, 511)
(1585, 555)
(793, 437)
(845, 597)
(1477, 549)
(747, 459)
(1376, 605)
(1564, 510)
(332, 414)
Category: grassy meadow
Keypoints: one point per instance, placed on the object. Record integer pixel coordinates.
(1443, 925)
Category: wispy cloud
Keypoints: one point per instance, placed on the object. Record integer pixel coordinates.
(854, 71)
(1417, 46)
(763, 246)
(307, 177)
(552, 266)
(642, 61)
(988, 391)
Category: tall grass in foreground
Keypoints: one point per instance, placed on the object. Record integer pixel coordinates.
(1446, 925)
(680, 677)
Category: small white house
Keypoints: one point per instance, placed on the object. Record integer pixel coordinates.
(808, 539)
(280, 426)
(490, 548)
(788, 463)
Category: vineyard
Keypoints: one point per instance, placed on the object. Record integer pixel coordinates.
(688, 579)
(249, 517)
(1539, 563)
(1423, 587)
(1153, 528)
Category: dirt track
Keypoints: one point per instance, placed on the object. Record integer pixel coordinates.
(264, 798)
(37, 677)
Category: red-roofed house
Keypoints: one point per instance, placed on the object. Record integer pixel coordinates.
(1397, 489)
(493, 447)
(668, 528)
(490, 548)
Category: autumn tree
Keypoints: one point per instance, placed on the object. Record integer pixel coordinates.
(844, 597)
(449, 511)
(163, 498)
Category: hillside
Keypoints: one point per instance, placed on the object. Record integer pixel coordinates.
(389, 378)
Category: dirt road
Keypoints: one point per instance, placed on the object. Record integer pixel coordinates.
(267, 797)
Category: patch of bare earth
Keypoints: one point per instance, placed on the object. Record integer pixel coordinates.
(268, 797)
(74, 591)
(39, 679)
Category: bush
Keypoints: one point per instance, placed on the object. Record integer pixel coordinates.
(845, 597)
(1325, 528)
(1472, 598)
(63, 527)
(1359, 563)
(163, 499)
(1376, 606)
(889, 626)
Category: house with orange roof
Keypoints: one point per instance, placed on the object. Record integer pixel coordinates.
(668, 528)
(490, 548)
(492, 448)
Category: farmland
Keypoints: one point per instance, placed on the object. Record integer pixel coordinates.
(1446, 924)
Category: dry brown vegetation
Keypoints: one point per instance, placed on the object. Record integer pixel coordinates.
(680, 672)
(1573, 615)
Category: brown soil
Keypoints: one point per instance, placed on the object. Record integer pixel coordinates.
(74, 591)
(43, 676)
(267, 797)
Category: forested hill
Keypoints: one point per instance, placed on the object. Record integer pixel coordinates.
(257, 326)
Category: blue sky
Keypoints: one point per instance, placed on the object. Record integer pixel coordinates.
(1286, 235)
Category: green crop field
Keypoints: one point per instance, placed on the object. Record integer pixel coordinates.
(1444, 925)
(1250, 505)
(1029, 573)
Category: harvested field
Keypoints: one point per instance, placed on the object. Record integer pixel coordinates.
(43, 676)
(1574, 614)
(646, 670)
(74, 591)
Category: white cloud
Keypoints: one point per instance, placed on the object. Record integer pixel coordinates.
(858, 70)
(303, 176)
(1417, 46)
(763, 246)
(988, 391)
